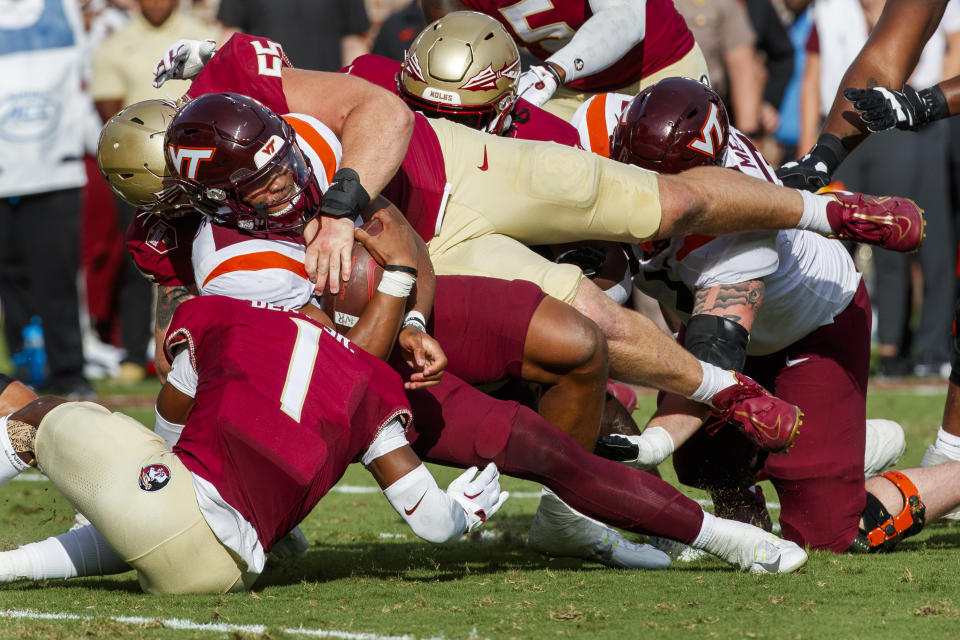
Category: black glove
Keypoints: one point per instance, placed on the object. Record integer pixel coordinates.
(346, 197)
(617, 448)
(813, 171)
(907, 110)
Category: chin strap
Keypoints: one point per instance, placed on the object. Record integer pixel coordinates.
(882, 531)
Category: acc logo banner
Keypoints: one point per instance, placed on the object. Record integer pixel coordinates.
(154, 477)
(193, 156)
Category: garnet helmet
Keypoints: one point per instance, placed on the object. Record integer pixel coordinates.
(463, 67)
(130, 157)
(231, 153)
(671, 126)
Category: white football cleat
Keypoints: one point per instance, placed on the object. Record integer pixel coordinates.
(677, 551)
(559, 531)
(931, 458)
(752, 549)
(884, 445)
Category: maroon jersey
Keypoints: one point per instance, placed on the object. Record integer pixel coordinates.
(530, 122)
(283, 405)
(249, 65)
(161, 247)
(667, 37)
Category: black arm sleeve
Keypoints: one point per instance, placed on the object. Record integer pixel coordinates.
(716, 340)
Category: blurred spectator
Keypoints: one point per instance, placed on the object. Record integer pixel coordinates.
(774, 44)
(324, 35)
(901, 162)
(42, 113)
(788, 133)
(398, 31)
(723, 31)
(121, 75)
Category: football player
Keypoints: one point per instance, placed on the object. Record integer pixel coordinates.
(789, 308)
(591, 46)
(200, 518)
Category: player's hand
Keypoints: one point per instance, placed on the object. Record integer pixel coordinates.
(537, 85)
(882, 109)
(424, 355)
(329, 250)
(480, 497)
(809, 173)
(183, 60)
(396, 244)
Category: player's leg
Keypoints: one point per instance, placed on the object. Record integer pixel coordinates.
(460, 426)
(820, 481)
(14, 395)
(98, 461)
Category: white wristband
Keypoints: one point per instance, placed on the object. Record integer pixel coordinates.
(415, 319)
(396, 283)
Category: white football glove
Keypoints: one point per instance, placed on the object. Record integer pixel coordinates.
(183, 60)
(480, 497)
(536, 85)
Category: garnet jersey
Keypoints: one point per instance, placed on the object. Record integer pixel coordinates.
(528, 122)
(544, 27)
(248, 65)
(283, 405)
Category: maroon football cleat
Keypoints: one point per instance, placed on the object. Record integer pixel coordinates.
(767, 420)
(886, 221)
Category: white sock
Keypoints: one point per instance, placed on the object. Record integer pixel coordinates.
(948, 444)
(814, 216)
(713, 381)
(47, 559)
(10, 463)
(706, 531)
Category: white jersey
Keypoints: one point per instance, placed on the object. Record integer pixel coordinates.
(808, 279)
(230, 263)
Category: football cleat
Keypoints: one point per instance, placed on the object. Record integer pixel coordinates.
(885, 444)
(752, 549)
(886, 221)
(931, 458)
(292, 546)
(767, 420)
(559, 531)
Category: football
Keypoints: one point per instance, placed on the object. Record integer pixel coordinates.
(345, 307)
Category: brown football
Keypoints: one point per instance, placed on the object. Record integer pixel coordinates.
(345, 307)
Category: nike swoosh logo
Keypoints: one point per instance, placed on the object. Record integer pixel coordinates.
(791, 363)
(469, 497)
(770, 567)
(483, 167)
(414, 508)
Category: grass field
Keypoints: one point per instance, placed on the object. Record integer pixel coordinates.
(367, 577)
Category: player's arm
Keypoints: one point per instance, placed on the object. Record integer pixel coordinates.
(374, 127)
(395, 249)
(886, 60)
(168, 299)
(615, 27)
(175, 399)
(717, 332)
(432, 513)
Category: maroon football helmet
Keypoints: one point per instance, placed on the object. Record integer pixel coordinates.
(238, 158)
(674, 125)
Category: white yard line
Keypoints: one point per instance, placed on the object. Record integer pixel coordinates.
(190, 625)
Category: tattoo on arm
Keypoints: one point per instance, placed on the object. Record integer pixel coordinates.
(168, 299)
(729, 298)
(22, 437)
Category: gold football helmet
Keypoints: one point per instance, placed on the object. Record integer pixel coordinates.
(463, 67)
(130, 156)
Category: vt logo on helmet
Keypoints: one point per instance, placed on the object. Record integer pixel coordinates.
(238, 158)
(674, 125)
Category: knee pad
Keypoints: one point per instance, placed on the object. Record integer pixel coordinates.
(882, 532)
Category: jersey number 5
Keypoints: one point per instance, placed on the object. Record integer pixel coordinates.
(269, 57)
(519, 14)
